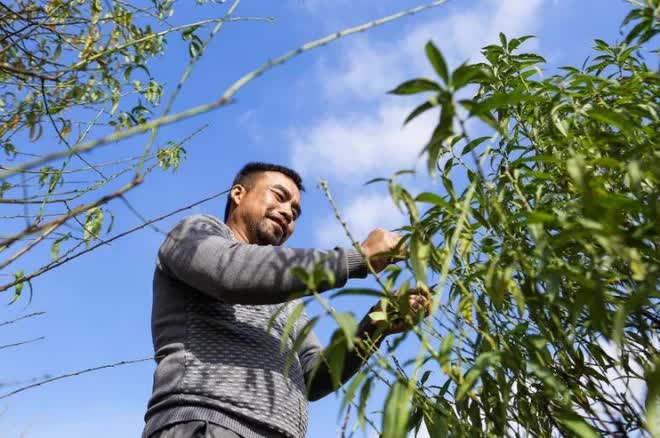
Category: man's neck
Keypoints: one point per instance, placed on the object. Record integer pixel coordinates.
(238, 230)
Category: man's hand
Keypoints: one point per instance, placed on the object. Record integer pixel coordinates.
(378, 247)
(418, 304)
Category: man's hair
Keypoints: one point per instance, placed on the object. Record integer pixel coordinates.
(246, 178)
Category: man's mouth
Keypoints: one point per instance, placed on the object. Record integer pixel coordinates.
(279, 224)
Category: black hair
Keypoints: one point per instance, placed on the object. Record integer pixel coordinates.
(245, 177)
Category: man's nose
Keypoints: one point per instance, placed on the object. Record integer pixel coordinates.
(288, 215)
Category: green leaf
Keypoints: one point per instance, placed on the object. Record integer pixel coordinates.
(445, 351)
(415, 86)
(449, 187)
(55, 248)
(468, 74)
(576, 424)
(575, 168)
(375, 180)
(612, 118)
(561, 124)
(417, 111)
(300, 338)
(437, 61)
(419, 256)
(503, 40)
(18, 289)
(397, 410)
(432, 198)
(482, 363)
(652, 404)
(290, 323)
(349, 395)
(365, 393)
(514, 43)
(501, 100)
(436, 426)
(378, 316)
(473, 144)
(348, 325)
(335, 355)
(93, 224)
(425, 377)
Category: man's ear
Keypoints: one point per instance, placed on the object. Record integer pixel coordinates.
(237, 193)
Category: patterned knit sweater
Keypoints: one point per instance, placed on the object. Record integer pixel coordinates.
(213, 298)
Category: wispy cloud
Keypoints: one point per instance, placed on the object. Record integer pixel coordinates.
(370, 67)
(363, 214)
(357, 147)
(368, 140)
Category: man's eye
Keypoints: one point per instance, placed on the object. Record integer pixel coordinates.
(279, 196)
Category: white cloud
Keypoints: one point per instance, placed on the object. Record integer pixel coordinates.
(248, 122)
(359, 147)
(363, 214)
(369, 68)
(363, 145)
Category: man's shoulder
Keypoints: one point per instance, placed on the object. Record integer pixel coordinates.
(203, 223)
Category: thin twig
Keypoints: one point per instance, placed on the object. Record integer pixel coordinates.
(27, 247)
(2, 347)
(59, 221)
(347, 417)
(356, 245)
(59, 133)
(62, 260)
(123, 198)
(31, 315)
(77, 373)
(43, 77)
(223, 100)
(184, 78)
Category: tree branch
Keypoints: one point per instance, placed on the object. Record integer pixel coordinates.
(31, 315)
(63, 260)
(59, 221)
(77, 373)
(222, 100)
(2, 347)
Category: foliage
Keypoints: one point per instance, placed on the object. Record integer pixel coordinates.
(79, 69)
(543, 236)
(69, 70)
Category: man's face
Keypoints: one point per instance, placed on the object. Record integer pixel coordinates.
(269, 208)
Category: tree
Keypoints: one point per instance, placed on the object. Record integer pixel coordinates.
(75, 77)
(81, 70)
(543, 245)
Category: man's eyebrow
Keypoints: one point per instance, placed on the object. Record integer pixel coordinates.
(287, 193)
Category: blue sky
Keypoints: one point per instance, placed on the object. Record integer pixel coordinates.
(324, 113)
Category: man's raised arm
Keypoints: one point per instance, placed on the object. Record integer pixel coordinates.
(201, 252)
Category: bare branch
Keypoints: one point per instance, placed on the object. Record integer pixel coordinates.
(223, 100)
(77, 373)
(31, 315)
(60, 261)
(59, 221)
(2, 347)
(43, 77)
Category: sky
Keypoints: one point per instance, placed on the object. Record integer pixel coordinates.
(325, 113)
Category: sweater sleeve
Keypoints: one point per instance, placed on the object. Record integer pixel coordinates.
(316, 371)
(200, 252)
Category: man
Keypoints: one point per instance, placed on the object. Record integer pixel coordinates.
(221, 372)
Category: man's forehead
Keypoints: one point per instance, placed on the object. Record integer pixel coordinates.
(271, 178)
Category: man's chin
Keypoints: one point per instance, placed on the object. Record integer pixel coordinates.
(266, 238)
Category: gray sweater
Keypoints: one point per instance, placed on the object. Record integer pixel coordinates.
(216, 359)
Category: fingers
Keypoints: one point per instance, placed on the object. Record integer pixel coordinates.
(378, 246)
(420, 304)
